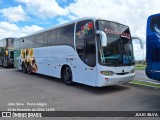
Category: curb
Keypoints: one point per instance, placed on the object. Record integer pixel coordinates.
(143, 86)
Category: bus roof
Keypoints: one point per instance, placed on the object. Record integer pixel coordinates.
(158, 14)
(155, 14)
(68, 23)
(8, 38)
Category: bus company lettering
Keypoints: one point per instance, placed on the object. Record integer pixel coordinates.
(116, 32)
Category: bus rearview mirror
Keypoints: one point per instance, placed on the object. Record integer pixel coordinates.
(103, 38)
(140, 40)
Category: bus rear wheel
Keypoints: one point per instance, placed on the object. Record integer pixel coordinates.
(29, 69)
(24, 70)
(67, 75)
(3, 64)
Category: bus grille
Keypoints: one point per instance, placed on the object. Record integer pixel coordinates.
(122, 73)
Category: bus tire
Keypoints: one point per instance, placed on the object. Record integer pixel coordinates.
(24, 70)
(3, 65)
(29, 69)
(67, 75)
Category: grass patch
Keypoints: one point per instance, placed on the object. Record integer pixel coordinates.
(145, 83)
(140, 67)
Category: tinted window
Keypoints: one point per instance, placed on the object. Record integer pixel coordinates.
(45, 37)
(39, 40)
(90, 59)
(2, 52)
(3, 43)
(84, 30)
(29, 42)
(10, 42)
(80, 46)
(22, 43)
(16, 44)
(65, 35)
(85, 42)
(12, 55)
(156, 55)
(155, 22)
(52, 37)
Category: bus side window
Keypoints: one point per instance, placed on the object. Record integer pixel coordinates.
(16, 44)
(22, 43)
(40, 40)
(29, 42)
(51, 37)
(45, 37)
(65, 35)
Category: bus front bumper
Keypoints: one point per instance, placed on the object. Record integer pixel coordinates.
(113, 80)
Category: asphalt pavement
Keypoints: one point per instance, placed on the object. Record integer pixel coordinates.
(141, 76)
(18, 87)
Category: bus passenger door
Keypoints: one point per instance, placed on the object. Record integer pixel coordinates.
(85, 46)
(90, 60)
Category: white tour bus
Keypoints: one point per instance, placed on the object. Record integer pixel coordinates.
(90, 51)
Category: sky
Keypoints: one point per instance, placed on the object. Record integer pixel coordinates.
(22, 17)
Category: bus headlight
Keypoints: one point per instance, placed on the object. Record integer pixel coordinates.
(132, 71)
(107, 73)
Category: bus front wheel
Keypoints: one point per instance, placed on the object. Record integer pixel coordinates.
(67, 75)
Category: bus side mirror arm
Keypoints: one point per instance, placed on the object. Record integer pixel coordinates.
(140, 40)
(103, 38)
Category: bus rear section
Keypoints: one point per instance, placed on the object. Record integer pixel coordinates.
(153, 47)
(7, 52)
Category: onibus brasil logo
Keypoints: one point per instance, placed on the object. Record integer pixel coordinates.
(157, 30)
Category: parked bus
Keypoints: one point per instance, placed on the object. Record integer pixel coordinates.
(7, 52)
(153, 47)
(89, 51)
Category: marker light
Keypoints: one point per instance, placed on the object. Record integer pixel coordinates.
(132, 71)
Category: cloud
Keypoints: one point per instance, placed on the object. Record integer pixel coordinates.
(12, 30)
(62, 20)
(138, 52)
(43, 8)
(14, 14)
(132, 13)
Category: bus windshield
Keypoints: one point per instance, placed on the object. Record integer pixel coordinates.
(119, 50)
